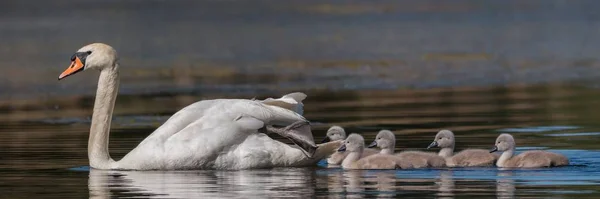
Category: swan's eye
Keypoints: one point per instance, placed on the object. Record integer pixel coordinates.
(379, 138)
(89, 52)
(347, 142)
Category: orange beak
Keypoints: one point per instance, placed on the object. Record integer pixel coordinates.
(75, 67)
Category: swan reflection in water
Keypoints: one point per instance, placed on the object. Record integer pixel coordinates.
(297, 182)
(505, 184)
(385, 184)
(286, 182)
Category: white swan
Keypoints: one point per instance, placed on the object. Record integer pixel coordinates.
(209, 134)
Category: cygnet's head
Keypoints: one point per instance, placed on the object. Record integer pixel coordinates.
(443, 139)
(97, 56)
(354, 143)
(385, 139)
(504, 142)
(335, 133)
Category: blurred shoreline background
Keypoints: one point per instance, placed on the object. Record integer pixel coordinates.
(174, 53)
(265, 47)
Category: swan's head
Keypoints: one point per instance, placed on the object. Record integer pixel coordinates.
(385, 139)
(443, 139)
(97, 56)
(335, 133)
(353, 143)
(504, 142)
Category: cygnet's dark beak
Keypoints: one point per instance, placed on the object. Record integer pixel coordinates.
(373, 144)
(325, 140)
(433, 144)
(342, 148)
(494, 149)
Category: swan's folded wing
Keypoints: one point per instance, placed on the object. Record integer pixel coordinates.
(222, 128)
(292, 101)
(270, 115)
(229, 110)
(247, 122)
(209, 114)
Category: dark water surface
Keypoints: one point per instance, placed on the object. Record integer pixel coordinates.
(46, 154)
(479, 68)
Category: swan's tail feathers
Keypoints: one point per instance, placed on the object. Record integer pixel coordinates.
(297, 96)
(249, 122)
(292, 101)
(300, 134)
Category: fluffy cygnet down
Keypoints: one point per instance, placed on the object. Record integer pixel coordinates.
(335, 133)
(466, 158)
(530, 159)
(355, 145)
(386, 140)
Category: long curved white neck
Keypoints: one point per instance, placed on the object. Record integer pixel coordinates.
(106, 94)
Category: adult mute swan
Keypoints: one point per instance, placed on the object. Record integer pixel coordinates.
(209, 134)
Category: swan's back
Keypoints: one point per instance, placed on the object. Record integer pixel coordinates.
(538, 158)
(472, 158)
(377, 161)
(292, 101)
(418, 159)
(286, 109)
(338, 157)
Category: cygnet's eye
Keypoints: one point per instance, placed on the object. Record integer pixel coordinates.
(379, 138)
(347, 142)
